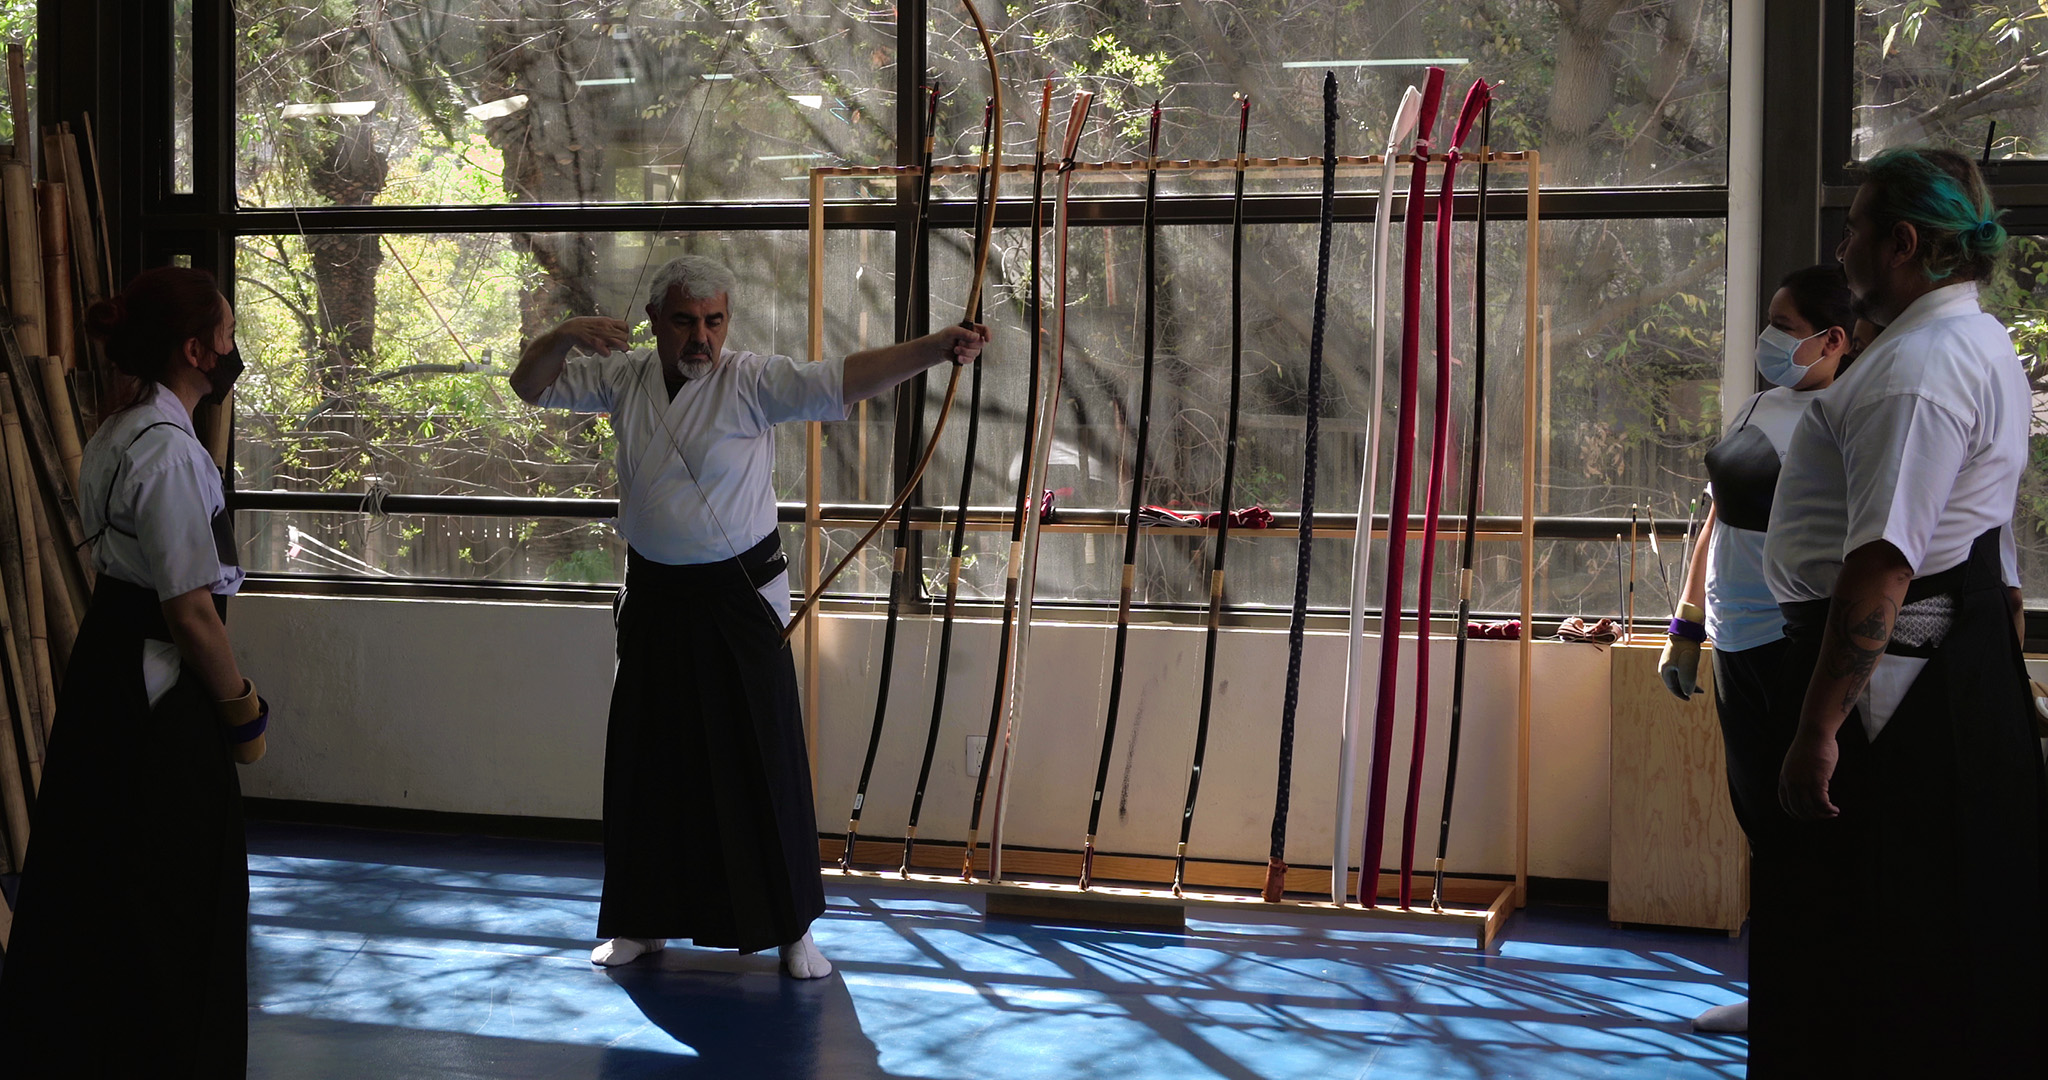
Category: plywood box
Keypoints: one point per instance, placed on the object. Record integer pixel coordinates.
(1676, 856)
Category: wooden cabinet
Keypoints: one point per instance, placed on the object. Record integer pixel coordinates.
(1676, 855)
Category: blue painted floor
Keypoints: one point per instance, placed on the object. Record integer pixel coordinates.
(398, 955)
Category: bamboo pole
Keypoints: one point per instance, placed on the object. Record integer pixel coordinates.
(63, 422)
(17, 105)
(214, 424)
(14, 790)
(85, 253)
(14, 622)
(24, 259)
(99, 198)
(53, 217)
(1526, 688)
(59, 616)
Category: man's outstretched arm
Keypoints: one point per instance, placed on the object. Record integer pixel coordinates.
(873, 371)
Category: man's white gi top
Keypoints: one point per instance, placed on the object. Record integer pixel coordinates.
(718, 499)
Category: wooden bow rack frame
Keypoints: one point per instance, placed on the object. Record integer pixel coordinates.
(1045, 882)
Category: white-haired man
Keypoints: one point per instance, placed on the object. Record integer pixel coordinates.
(709, 829)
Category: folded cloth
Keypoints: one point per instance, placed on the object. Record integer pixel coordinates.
(1045, 502)
(1502, 630)
(1602, 632)
(1251, 517)
(1160, 515)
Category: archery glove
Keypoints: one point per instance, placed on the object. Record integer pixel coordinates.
(1679, 664)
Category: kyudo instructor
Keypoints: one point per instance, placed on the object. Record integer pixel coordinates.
(710, 833)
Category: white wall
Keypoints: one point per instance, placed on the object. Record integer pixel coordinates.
(499, 708)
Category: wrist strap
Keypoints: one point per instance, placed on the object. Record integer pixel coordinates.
(1687, 629)
(237, 711)
(253, 730)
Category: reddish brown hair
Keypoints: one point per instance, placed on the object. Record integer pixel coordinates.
(148, 323)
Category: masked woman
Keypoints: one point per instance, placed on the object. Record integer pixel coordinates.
(1810, 340)
(138, 840)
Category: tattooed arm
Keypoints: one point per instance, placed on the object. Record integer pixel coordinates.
(1867, 597)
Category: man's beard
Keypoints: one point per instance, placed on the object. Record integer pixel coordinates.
(695, 365)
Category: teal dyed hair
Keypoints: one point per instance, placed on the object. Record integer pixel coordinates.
(1942, 195)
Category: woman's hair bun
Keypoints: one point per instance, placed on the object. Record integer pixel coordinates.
(104, 318)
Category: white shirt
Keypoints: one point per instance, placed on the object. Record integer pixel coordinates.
(718, 500)
(1921, 444)
(150, 493)
(1741, 612)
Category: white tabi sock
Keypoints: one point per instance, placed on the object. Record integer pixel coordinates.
(802, 960)
(1724, 1019)
(625, 950)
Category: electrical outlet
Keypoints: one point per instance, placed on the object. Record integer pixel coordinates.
(977, 745)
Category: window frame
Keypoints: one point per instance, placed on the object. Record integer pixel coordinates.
(152, 223)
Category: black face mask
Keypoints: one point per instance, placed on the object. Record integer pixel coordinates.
(227, 367)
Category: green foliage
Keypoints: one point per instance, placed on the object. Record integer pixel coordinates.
(591, 565)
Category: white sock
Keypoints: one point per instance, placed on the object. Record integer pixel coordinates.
(1724, 1019)
(625, 950)
(802, 960)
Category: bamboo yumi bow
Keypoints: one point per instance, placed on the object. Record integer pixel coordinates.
(1220, 547)
(1356, 681)
(1006, 651)
(1440, 445)
(984, 233)
(943, 664)
(900, 560)
(1403, 481)
(1004, 719)
(1130, 571)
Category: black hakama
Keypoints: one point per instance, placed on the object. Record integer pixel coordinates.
(710, 833)
(1905, 937)
(129, 954)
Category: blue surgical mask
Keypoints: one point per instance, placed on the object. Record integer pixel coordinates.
(1774, 352)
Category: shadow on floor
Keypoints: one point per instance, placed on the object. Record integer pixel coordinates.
(741, 1023)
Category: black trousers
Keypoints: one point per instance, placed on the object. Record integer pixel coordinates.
(1753, 739)
(1904, 938)
(710, 833)
(137, 843)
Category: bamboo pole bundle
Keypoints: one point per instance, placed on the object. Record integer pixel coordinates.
(53, 218)
(63, 420)
(24, 259)
(14, 650)
(31, 556)
(39, 421)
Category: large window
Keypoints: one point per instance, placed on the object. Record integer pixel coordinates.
(414, 189)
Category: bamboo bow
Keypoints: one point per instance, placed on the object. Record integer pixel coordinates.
(984, 236)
